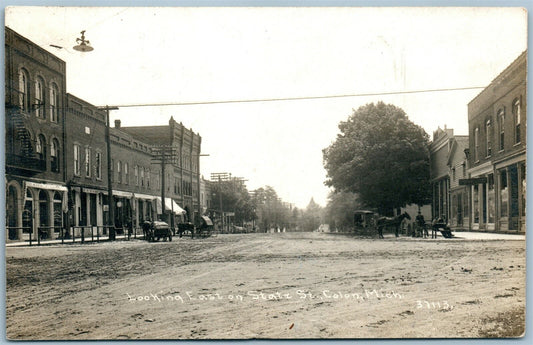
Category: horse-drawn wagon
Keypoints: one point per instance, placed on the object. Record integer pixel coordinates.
(156, 230)
(364, 222)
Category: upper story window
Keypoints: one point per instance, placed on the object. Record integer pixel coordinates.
(54, 155)
(87, 162)
(98, 165)
(501, 124)
(40, 147)
(516, 113)
(24, 90)
(112, 171)
(54, 103)
(142, 176)
(77, 167)
(39, 97)
(126, 176)
(136, 174)
(148, 178)
(119, 172)
(476, 144)
(488, 127)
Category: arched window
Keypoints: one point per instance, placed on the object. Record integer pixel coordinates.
(54, 103)
(54, 155)
(39, 97)
(488, 133)
(516, 113)
(24, 90)
(40, 147)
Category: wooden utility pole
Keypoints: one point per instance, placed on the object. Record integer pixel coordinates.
(162, 155)
(110, 202)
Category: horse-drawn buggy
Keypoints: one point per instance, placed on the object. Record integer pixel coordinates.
(368, 223)
(205, 228)
(364, 222)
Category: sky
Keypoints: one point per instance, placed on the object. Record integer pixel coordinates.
(197, 55)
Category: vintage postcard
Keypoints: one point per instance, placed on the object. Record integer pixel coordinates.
(265, 173)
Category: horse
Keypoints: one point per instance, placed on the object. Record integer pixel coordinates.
(384, 222)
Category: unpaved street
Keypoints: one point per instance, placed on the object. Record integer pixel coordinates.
(302, 285)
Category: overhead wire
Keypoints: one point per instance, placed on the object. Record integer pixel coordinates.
(285, 99)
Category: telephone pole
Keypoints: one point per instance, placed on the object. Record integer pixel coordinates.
(110, 202)
(162, 155)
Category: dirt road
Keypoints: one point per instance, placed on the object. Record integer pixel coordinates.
(285, 285)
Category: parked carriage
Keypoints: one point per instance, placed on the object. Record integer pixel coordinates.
(206, 227)
(158, 230)
(364, 222)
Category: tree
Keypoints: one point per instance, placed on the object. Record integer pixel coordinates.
(382, 156)
(235, 198)
(312, 216)
(271, 211)
(340, 210)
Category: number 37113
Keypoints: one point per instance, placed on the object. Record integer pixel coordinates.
(433, 305)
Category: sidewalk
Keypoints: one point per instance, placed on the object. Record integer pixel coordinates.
(474, 235)
(34, 243)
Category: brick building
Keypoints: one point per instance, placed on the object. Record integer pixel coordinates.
(439, 150)
(86, 163)
(497, 128)
(56, 157)
(182, 172)
(34, 146)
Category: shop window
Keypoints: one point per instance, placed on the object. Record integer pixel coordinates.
(504, 194)
(491, 203)
(475, 203)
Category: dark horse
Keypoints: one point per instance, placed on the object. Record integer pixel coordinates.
(384, 222)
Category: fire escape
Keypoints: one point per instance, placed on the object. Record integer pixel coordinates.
(21, 157)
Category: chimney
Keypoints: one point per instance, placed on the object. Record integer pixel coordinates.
(117, 123)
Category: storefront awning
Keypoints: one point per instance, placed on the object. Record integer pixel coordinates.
(50, 186)
(169, 205)
(144, 196)
(122, 194)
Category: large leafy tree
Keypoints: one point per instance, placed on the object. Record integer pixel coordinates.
(382, 156)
